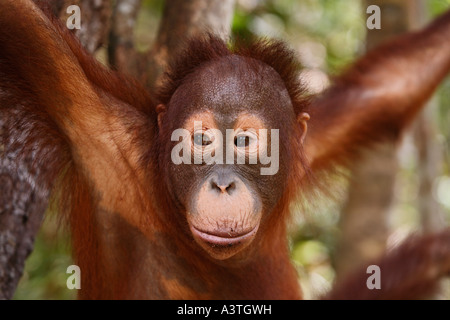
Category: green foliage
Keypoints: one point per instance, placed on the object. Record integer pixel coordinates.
(436, 7)
(338, 25)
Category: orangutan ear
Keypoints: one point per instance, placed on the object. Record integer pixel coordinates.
(302, 119)
(160, 110)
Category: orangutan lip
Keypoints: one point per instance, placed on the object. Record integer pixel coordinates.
(223, 239)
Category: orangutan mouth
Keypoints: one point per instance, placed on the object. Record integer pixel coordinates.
(224, 239)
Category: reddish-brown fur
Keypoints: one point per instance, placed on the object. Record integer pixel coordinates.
(96, 133)
(413, 268)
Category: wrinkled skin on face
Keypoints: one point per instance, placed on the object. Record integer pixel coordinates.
(225, 204)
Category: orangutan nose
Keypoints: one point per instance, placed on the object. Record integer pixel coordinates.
(223, 183)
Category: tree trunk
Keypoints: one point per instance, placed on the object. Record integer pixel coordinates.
(95, 21)
(21, 207)
(182, 20)
(21, 212)
(429, 160)
(121, 49)
(429, 151)
(364, 216)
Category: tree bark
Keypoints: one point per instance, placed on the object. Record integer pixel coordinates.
(21, 212)
(95, 21)
(182, 20)
(121, 48)
(22, 208)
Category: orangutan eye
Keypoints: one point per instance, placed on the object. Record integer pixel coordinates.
(241, 141)
(245, 140)
(202, 139)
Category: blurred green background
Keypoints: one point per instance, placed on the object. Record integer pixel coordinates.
(328, 35)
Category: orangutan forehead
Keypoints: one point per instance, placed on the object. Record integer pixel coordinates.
(234, 85)
(241, 74)
(209, 120)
